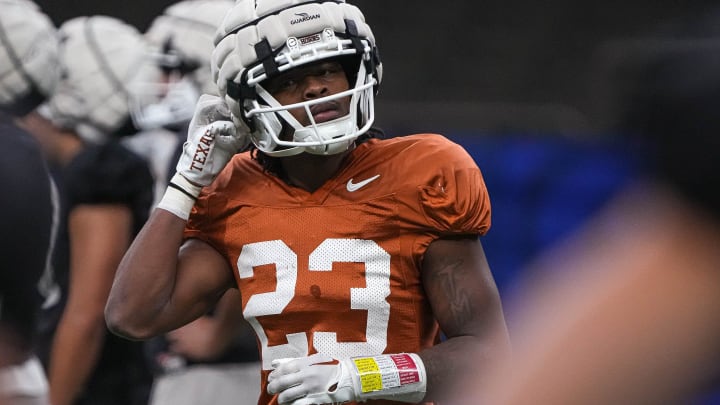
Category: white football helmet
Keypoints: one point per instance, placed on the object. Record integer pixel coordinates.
(103, 61)
(28, 56)
(182, 40)
(261, 38)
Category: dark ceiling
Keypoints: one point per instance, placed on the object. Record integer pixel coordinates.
(490, 65)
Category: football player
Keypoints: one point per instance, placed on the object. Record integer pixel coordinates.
(181, 43)
(351, 253)
(106, 193)
(28, 57)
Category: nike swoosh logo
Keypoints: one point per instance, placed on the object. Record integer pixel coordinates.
(357, 186)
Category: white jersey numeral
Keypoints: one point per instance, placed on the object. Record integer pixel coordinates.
(372, 298)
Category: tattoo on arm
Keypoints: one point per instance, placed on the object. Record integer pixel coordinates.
(447, 279)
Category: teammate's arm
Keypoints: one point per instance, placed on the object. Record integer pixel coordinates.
(466, 303)
(209, 336)
(99, 235)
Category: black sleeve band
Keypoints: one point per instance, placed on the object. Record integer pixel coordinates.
(182, 190)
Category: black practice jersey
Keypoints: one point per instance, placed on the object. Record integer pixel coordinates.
(102, 174)
(26, 218)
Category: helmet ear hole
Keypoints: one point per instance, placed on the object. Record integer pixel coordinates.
(350, 64)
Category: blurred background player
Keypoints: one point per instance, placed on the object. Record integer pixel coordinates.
(28, 59)
(106, 194)
(340, 259)
(213, 359)
(626, 311)
(181, 41)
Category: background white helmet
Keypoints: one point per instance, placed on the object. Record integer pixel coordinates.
(28, 56)
(261, 38)
(182, 40)
(102, 60)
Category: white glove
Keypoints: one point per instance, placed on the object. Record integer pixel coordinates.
(212, 141)
(305, 380)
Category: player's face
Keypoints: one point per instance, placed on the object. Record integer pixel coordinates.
(311, 82)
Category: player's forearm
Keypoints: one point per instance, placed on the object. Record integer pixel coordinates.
(457, 359)
(145, 279)
(75, 353)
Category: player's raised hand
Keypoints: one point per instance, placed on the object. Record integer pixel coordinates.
(212, 141)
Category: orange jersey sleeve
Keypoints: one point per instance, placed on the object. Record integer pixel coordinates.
(338, 270)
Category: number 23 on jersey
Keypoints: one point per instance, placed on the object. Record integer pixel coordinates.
(372, 298)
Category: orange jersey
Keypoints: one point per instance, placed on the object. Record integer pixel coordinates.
(338, 270)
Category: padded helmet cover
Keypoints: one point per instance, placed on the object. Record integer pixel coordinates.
(188, 28)
(103, 61)
(259, 39)
(28, 56)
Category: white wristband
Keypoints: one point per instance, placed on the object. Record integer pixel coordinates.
(179, 197)
(398, 377)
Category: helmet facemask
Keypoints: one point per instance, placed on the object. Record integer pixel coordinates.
(269, 117)
(170, 101)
